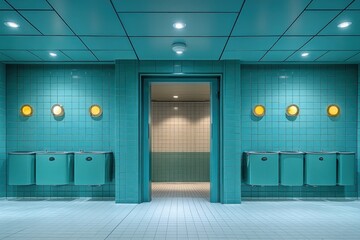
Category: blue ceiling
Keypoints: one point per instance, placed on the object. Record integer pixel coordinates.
(246, 30)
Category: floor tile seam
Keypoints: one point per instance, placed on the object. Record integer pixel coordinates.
(122, 220)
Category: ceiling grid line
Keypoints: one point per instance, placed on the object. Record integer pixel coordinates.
(232, 29)
(126, 33)
(72, 30)
(286, 30)
(319, 31)
(24, 17)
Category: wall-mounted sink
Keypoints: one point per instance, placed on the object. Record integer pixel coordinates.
(320, 168)
(291, 168)
(21, 168)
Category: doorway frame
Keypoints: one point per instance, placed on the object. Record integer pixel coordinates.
(216, 139)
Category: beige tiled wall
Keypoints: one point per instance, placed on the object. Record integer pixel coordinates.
(180, 126)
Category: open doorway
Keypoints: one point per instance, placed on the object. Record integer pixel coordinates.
(181, 138)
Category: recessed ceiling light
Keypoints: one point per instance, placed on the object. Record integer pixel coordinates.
(52, 54)
(176, 108)
(11, 24)
(179, 48)
(175, 96)
(179, 25)
(305, 54)
(344, 24)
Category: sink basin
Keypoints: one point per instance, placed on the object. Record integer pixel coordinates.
(291, 152)
(21, 152)
(260, 153)
(52, 152)
(333, 152)
(93, 152)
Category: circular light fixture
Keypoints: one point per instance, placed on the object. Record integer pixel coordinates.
(292, 110)
(333, 110)
(95, 110)
(176, 108)
(344, 24)
(175, 96)
(305, 54)
(26, 110)
(11, 24)
(259, 110)
(57, 110)
(179, 25)
(52, 54)
(179, 48)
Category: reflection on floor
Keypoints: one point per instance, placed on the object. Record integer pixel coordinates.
(179, 211)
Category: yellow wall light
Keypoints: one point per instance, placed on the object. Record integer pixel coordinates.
(95, 110)
(26, 110)
(57, 110)
(333, 110)
(259, 111)
(292, 110)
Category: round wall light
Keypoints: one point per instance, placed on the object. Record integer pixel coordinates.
(259, 111)
(57, 110)
(333, 110)
(292, 110)
(26, 110)
(95, 110)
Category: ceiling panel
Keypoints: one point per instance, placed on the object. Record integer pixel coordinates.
(159, 48)
(4, 5)
(243, 55)
(333, 43)
(186, 92)
(337, 56)
(290, 43)
(90, 17)
(107, 43)
(277, 56)
(311, 22)
(355, 58)
(113, 55)
(160, 24)
(53, 25)
(355, 5)
(12, 16)
(354, 29)
(250, 43)
(44, 55)
(313, 55)
(21, 55)
(41, 43)
(80, 55)
(329, 4)
(177, 6)
(30, 4)
(273, 17)
(5, 58)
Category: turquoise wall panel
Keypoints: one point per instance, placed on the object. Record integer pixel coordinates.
(76, 87)
(358, 135)
(180, 166)
(2, 131)
(312, 88)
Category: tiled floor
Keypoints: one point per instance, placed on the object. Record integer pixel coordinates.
(179, 211)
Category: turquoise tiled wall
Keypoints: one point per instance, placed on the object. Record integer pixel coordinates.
(358, 134)
(312, 88)
(2, 132)
(76, 87)
(127, 93)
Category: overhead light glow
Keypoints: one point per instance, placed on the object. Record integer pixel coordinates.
(12, 24)
(179, 25)
(179, 48)
(175, 96)
(52, 54)
(176, 108)
(344, 24)
(305, 54)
